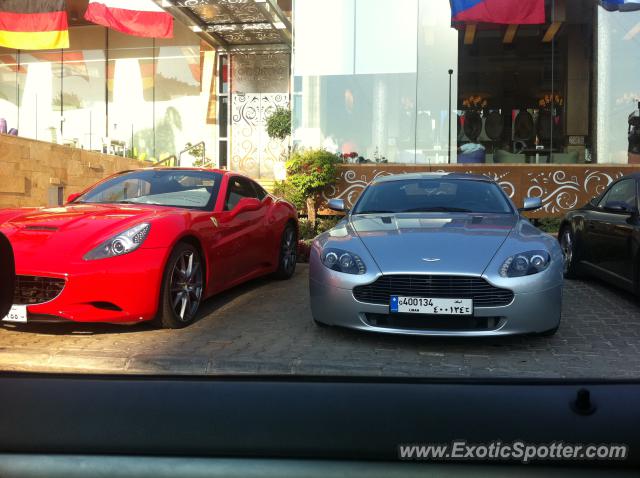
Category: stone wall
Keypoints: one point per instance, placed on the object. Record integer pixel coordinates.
(31, 172)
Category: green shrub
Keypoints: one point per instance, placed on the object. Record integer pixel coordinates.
(307, 231)
(279, 123)
(327, 222)
(309, 172)
(289, 193)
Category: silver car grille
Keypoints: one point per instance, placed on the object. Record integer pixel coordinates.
(436, 286)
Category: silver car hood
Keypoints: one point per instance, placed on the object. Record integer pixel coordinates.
(451, 243)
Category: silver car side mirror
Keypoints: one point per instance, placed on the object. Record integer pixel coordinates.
(337, 205)
(531, 204)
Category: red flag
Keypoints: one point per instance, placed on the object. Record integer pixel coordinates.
(508, 12)
(34, 24)
(134, 17)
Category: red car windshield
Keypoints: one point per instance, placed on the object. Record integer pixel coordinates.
(174, 188)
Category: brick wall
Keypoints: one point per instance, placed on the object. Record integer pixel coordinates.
(31, 171)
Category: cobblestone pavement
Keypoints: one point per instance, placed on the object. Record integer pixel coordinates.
(264, 327)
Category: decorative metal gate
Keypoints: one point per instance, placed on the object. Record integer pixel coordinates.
(252, 151)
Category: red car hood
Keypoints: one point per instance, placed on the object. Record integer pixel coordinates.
(46, 239)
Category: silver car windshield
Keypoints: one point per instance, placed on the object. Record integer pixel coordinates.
(433, 195)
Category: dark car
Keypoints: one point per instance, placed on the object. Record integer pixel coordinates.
(602, 237)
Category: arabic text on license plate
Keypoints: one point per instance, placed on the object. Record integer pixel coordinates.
(426, 305)
(18, 313)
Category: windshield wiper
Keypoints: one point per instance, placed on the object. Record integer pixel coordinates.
(375, 212)
(137, 203)
(438, 209)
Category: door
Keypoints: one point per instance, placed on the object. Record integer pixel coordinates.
(241, 231)
(610, 230)
(267, 239)
(253, 153)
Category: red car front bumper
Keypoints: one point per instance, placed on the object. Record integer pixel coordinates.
(123, 289)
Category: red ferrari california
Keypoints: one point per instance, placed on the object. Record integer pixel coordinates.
(149, 244)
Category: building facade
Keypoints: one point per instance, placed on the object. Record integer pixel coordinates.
(380, 81)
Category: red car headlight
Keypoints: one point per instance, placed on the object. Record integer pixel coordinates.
(124, 243)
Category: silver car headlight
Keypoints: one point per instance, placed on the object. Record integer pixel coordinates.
(525, 264)
(124, 243)
(343, 261)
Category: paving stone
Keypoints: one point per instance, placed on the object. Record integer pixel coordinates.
(264, 327)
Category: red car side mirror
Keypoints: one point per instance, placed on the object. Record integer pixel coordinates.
(246, 205)
(73, 197)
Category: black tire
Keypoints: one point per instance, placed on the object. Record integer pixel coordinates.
(182, 288)
(569, 252)
(288, 255)
(7, 275)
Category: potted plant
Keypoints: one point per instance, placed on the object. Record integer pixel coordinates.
(279, 123)
(279, 127)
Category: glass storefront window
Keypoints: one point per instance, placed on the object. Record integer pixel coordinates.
(181, 95)
(40, 114)
(511, 93)
(358, 96)
(83, 88)
(437, 54)
(113, 93)
(518, 93)
(9, 71)
(130, 73)
(618, 83)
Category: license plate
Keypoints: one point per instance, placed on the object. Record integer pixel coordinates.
(18, 313)
(430, 306)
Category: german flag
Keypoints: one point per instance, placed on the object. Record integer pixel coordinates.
(34, 24)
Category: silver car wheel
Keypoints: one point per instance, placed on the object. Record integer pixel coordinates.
(289, 250)
(186, 286)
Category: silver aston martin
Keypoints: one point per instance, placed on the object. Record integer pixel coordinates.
(437, 254)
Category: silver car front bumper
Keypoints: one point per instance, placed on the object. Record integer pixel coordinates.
(529, 312)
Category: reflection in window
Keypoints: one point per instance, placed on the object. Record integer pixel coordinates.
(40, 103)
(618, 86)
(130, 91)
(521, 93)
(83, 88)
(181, 100)
(9, 70)
(364, 97)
